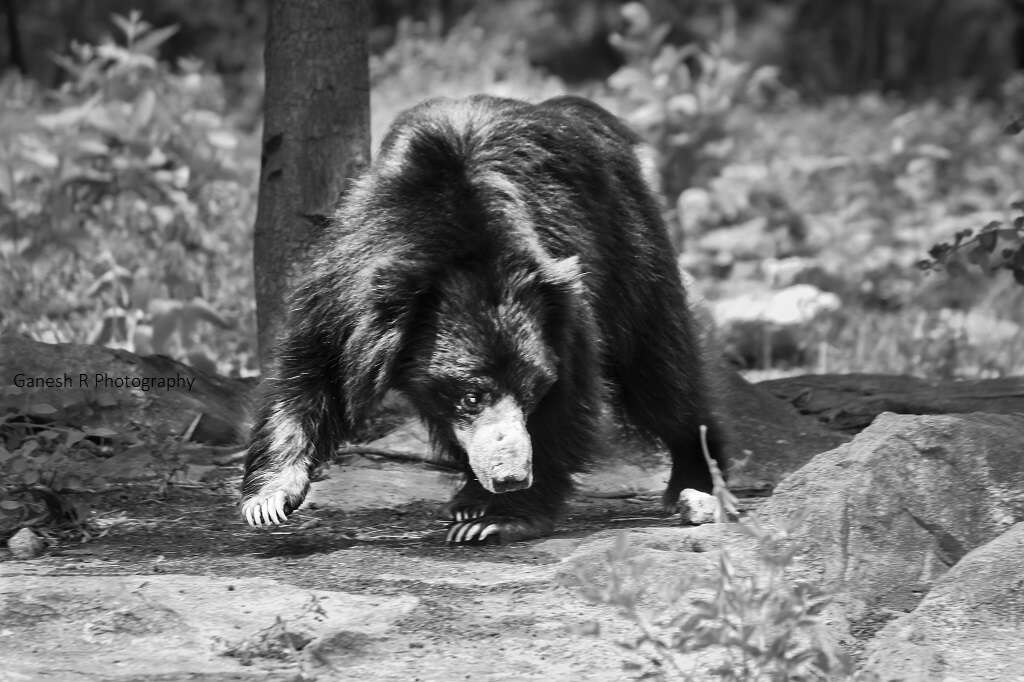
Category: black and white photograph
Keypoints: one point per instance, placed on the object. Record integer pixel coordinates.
(541, 340)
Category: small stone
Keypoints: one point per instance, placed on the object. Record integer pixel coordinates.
(25, 544)
(697, 508)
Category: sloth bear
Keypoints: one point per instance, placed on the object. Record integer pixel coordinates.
(506, 267)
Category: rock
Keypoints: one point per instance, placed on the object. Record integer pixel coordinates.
(670, 559)
(886, 515)
(25, 544)
(969, 627)
(849, 402)
(183, 626)
(793, 305)
(765, 327)
(367, 483)
(697, 508)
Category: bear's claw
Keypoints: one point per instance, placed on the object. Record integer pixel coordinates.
(492, 529)
(269, 510)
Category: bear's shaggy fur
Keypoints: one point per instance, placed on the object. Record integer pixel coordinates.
(506, 266)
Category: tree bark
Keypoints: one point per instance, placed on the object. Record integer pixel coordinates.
(315, 136)
(15, 55)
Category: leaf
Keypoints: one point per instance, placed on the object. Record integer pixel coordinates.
(101, 432)
(43, 158)
(11, 505)
(940, 251)
(91, 145)
(987, 241)
(145, 105)
(73, 436)
(128, 25)
(70, 117)
(41, 409)
(956, 268)
(30, 477)
(978, 256)
(149, 43)
(222, 139)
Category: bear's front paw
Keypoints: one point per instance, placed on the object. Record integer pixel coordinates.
(495, 530)
(455, 511)
(269, 509)
(272, 502)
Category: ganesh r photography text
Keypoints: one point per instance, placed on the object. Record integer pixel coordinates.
(104, 381)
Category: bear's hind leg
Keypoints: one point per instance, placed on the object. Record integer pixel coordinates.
(664, 393)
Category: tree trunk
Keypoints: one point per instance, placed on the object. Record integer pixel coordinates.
(315, 136)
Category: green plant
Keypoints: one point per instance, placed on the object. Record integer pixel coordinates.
(680, 98)
(467, 60)
(995, 247)
(52, 441)
(38, 444)
(758, 626)
(124, 201)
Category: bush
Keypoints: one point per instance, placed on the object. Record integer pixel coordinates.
(126, 206)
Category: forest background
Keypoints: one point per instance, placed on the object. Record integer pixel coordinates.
(810, 154)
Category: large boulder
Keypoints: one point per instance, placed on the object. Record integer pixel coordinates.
(969, 627)
(884, 516)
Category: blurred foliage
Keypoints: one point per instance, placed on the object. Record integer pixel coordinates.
(45, 449)
(680, 98)
(995, 247)
(126, 204)
(127, 195)
(40, 439)
(466, 60)
(914, 47)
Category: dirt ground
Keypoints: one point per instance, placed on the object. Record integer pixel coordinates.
(172, 585)
(176, 586)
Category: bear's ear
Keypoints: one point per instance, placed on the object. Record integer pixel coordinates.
(394, 287)
(564, 272)
(380, 321)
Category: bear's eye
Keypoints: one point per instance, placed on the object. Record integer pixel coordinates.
(472, 402)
